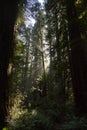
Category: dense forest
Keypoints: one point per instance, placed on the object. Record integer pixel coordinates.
(43, 65)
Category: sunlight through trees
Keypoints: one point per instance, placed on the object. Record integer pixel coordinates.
(43, 69)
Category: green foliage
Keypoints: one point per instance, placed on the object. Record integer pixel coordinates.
(33, 121)
(75, 123)
(28, 75)
(5, 128)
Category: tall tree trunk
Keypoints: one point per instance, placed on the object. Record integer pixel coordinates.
(50, 70)
(78, 59)
(61, 88)
(44, 89)
(7, 19)
(5, 49)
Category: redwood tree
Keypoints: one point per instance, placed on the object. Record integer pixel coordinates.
(8, 15)
(78, 59)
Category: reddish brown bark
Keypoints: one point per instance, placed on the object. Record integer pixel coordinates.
(78, 59)
(8, 13)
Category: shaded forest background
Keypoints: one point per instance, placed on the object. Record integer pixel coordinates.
(43, 78)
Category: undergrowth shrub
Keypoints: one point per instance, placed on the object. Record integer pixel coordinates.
(52, 110)
(75, 123)
(32, 121)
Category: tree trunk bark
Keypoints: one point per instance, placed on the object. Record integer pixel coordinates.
(78, 59)
(7, 19)
(6, 34)
(61, 87)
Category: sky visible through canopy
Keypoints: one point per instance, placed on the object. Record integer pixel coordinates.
(41, 1)
(31, 20)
